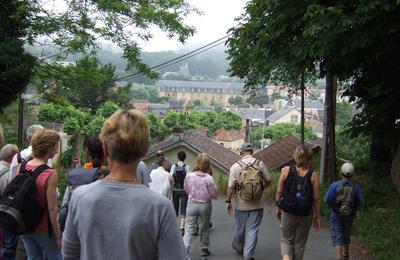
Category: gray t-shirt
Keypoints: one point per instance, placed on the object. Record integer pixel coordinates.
(121, 221)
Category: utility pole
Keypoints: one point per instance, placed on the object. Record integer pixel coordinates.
(20, 120)
(302, 108)
(328, 154)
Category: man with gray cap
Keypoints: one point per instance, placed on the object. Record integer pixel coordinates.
(6, 155)
(343, 198)
(249, 203)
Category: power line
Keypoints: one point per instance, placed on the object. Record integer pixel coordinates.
(180, 58)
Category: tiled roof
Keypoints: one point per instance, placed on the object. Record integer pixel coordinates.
(309, 104)
(280, 154)
(227, 135)
(278, 114)
(199, 84)
(222, 156)
(258, 115)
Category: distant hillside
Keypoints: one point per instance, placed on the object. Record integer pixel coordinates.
(210, 63)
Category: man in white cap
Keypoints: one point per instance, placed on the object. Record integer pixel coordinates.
(249, 207)
(343, 198)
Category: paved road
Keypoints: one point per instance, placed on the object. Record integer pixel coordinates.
(318, 247)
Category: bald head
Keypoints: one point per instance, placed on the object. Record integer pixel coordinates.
(7, 152)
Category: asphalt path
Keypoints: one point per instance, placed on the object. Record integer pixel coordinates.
(319, 245)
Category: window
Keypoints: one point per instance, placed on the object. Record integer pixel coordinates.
(294, 118)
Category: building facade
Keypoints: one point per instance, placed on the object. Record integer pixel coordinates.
(202, 90)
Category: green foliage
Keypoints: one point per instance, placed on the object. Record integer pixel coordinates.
(354, 149)
(280, 41)
(123, 22)
(158, 130)
(222, 183)
(260, 99)
(87, 84)
(75, 120)
(280, 131)
(344, 113)
(66, 158)
(377, 223)
(227, 120)
(237, 100)
(15, 64)
(179, 122)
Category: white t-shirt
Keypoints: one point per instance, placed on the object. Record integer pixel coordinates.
(160, 181)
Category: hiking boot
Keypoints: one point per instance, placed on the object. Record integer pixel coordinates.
(345, 256)
(205, 252)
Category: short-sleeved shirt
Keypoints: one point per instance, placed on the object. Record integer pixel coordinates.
(4, 171)
(330, 195)
(172, 172)
(234, 174)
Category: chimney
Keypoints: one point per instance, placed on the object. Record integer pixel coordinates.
(208, 133)
(247, 131)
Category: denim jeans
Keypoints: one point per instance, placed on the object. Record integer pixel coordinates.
(340, 230)
(182, 197)
(247, 226)
(37, 245)
(10, 242)
(194, 211)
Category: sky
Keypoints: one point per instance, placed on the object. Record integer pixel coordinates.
(218, 16)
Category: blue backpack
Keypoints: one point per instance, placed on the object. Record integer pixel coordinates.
(78, 177)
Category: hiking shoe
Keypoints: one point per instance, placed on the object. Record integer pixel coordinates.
(345, 256)
(205, 252)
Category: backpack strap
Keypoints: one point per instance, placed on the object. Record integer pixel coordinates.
(241, 164)
(19, 158)
(39, 170)
(22, 168)
(3, 172)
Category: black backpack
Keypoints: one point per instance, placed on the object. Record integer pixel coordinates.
(20, 212)
(297, 197)
(76, 178)
(179, 176)
(344, 205)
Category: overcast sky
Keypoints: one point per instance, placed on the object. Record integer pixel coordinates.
(218, 16)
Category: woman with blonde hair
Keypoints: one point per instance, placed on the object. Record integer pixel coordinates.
(201, 189)
(298, 203)
(118, 217)
(46, 239)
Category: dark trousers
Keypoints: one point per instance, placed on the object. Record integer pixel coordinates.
(182, 198)
(9, 246)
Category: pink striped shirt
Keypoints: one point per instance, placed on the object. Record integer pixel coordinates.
(200, 187)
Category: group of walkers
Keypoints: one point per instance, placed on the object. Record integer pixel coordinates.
(116, 209)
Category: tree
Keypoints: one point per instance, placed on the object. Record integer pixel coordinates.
(15, 64)
(158, 130)
(179, 122)
(237, 100)
(260, 99)
(86, 84)
(76, 122)
(279, 131)
(344, 113)
(77, 27)
(283, 40)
